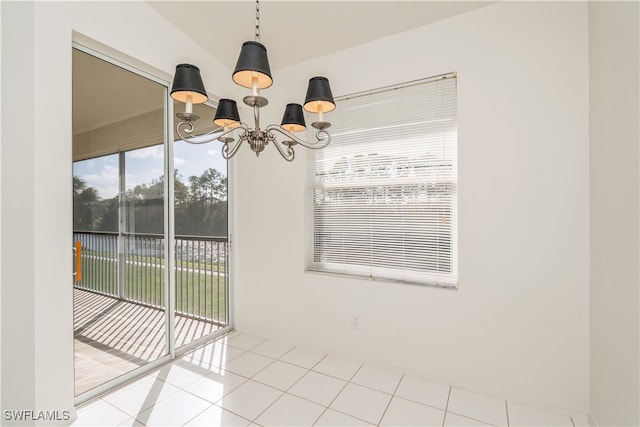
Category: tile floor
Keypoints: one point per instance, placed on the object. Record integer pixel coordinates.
(247, 380)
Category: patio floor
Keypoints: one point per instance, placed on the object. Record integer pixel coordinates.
(112, 337)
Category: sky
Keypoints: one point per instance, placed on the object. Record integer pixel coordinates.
(147, 164)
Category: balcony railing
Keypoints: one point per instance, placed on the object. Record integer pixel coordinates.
(131, 267)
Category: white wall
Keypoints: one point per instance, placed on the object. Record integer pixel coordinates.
(37, 334)
(518, 325)
(2, 26)
(17, 308)
(614, 50)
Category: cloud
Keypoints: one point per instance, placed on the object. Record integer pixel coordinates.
(155, 152)
(104, 180)
(145, 165)
(137, 177)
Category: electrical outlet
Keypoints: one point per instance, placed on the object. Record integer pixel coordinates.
(355, 322)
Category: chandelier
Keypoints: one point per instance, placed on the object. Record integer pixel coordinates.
(252, 71)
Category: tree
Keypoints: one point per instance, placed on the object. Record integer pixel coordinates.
(200, 206)
(180, 190)
(205, 212)
(85, 201)
(145, 207)
(110, 217)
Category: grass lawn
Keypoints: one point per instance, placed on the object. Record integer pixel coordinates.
(200, 287)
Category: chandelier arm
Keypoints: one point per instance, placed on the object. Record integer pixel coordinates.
(242, 126)
(228, 150)
(322, 137)
(205, 137)
(187, 128)
(290, 153)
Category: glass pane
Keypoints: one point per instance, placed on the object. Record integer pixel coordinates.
(119, 299)
(144, 227)
(95, 225)
(201, 235)
(95, 194)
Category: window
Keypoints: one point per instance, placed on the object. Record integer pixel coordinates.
(381, 198)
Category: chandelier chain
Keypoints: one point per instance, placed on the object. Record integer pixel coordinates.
(257, 20)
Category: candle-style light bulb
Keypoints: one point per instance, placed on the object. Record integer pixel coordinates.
(189, 104)
(320, 112)
(254, 85)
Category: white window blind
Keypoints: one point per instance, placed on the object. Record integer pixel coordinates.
(381, 198)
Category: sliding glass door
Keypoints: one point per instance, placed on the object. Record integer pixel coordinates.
(118, 152)
(151, 254)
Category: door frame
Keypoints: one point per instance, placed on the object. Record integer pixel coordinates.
(140, 69)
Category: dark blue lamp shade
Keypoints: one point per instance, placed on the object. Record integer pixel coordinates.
(227, 113)
(293, 119)
(187, 82)
(253, 63)
(319, 97)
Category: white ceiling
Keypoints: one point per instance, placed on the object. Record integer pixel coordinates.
(293, 31)
(296, 31)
